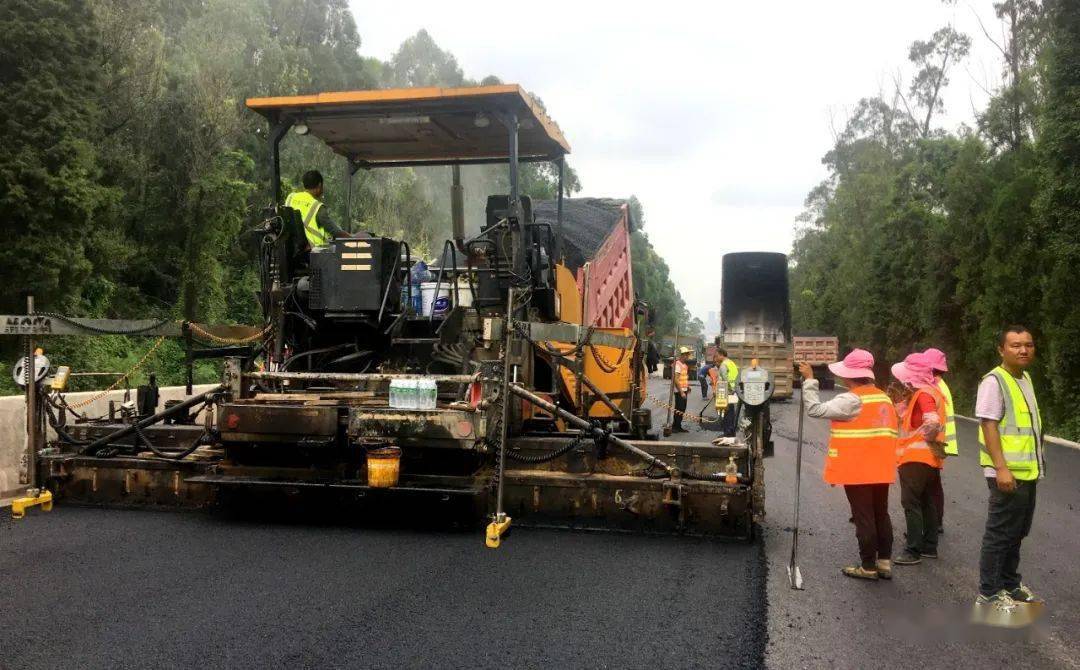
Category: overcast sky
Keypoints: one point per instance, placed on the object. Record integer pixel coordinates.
(716, 115)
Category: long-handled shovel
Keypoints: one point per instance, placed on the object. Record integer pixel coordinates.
(793, 572)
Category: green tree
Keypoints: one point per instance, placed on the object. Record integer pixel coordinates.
(652, 280)
(1059, 209)
(57, 213)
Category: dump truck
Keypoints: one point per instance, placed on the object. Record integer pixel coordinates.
(818, 351)
(520, 398)
(755, 315)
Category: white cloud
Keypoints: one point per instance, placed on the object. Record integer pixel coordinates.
(715, 115)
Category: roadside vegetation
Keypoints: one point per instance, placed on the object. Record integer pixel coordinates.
(131, 168)
(922, 236)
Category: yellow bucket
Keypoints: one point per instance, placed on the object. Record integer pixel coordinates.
(383, 467)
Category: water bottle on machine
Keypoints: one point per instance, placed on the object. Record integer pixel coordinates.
(418, 274)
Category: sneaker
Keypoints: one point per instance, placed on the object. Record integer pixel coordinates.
(997, 610)
(859, 572)
(1000, 602)
(907, 558)
(884, 568)
(1022, 594)
(928, 553)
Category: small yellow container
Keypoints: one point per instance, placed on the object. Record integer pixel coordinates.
(383, 467)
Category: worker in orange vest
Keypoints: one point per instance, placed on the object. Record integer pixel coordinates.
(921, 455)
(862, 455)
(681, 377)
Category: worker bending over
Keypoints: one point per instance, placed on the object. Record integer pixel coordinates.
(680, 375)
(940, 365)
(921, 452)
(319, 228)
(861, 456)
(705, 374)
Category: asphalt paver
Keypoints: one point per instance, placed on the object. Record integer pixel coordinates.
(97, 588)
(120, 588)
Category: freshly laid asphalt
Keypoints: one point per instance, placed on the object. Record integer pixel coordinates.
(94, 588)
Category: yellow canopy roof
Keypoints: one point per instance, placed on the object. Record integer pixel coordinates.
(415, 126)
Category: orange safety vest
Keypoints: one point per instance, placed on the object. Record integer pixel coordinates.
(863, 450)
(682, 376)
(912, 448)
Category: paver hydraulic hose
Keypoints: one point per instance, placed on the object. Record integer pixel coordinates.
(150, 420)
(584, 425)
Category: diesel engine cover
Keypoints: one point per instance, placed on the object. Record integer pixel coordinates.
(350, 276)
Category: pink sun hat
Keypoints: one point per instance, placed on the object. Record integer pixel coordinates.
(859, 364)
(937, 359)
(915, 370)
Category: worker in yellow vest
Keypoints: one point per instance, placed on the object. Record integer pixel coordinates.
(728, 374)
(1012, 458)
(319, 228)
(680, 375)
(939, 364)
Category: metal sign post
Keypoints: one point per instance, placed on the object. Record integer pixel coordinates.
(30, 370)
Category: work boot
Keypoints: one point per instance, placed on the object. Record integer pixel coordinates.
(859, 572)
(884, 568)
(907, 557)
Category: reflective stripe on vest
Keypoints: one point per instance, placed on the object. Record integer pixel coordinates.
(1019, 430)
(309, 207)
(863, 450)
(951, 447)
(912, 447)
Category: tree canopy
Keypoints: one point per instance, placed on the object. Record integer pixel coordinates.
(131, 167)
(926, 237)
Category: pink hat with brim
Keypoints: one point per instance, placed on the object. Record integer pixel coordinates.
(859, 364)
(915, 370)
(937, 360)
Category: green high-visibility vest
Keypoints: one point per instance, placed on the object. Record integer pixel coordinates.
(308, 206)
(950, 420)
(1020, 430)
(731, 373)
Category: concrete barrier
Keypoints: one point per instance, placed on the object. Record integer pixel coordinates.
(13, 426)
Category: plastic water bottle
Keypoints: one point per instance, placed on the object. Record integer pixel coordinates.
(411, 393)
(418, 274)
(428, 393)
(394, 393)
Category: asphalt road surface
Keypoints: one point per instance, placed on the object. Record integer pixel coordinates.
(93, 588)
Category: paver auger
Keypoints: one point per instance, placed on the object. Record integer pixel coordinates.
(497, 389)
